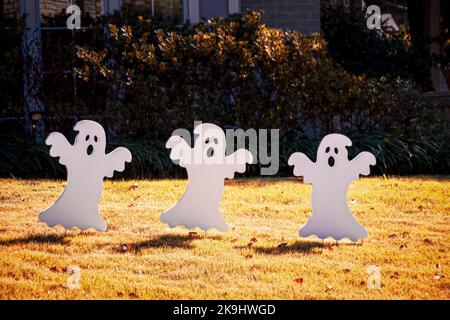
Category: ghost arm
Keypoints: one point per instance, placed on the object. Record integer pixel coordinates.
(236, 162)
(361, 164)
(302, 165)
(115, 161)
(60, 147)
(180, 150)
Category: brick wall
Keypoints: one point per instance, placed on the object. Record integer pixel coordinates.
(51, 7)
(10, 8)
(301, 15)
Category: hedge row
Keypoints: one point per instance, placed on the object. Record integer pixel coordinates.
(142, 81)
(237, 73)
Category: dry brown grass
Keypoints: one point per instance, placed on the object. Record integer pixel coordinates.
(408, 220)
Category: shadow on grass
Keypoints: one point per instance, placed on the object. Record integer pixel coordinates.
(171, 241)
(306, 247)
(37, 239)
(296, 247)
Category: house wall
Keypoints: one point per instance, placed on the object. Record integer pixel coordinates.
(51, 7)
(213, 8)
(301, 15)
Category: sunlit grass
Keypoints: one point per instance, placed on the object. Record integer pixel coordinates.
(408, 220)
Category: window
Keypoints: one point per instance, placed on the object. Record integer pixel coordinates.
(167, 11)
(54, 7)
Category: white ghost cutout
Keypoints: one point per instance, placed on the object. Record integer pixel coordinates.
(330, 177)
(87, 165)
(207, 167)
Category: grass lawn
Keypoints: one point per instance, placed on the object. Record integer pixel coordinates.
(260, 257)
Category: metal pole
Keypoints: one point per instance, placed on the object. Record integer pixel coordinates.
(32, 70)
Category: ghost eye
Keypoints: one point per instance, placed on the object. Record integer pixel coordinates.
(216, 141)
(336, 150)
(95, 138)
(327, 150)
(87, 137)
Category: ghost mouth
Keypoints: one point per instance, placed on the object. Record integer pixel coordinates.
(331, 162)
(210, 152)
(90, 149)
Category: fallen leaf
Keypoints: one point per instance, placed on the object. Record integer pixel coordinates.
(420, 207)
(405, 234)
(248, 256)
(53, 269)
(362, 283)
(249, 245)
(403, 246)
(133, 295)
(392, 235)
(133, 187)
(131, 205)
(192, 233)
(233, 240)
(395, 275)
(253, 239)
(427, 241)
(255, 267)
(330, 248)
(123, 248)
(346, 270)
(298, 280)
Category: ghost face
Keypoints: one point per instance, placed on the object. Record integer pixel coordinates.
(332, 150)
(210, 143)
(91, 139)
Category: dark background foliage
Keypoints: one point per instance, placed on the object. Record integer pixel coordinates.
(10, 65)
(142, 80)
